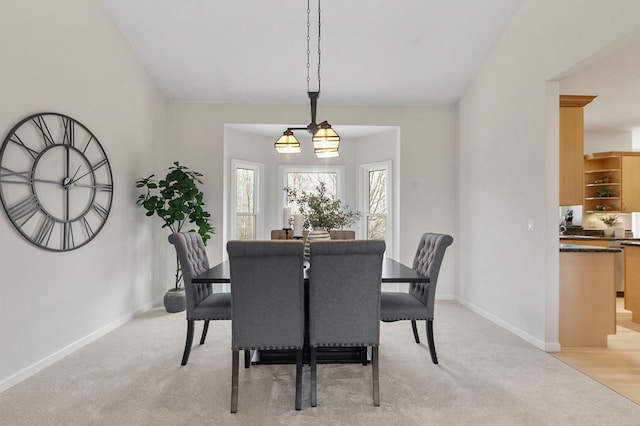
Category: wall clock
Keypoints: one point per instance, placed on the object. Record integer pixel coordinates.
(55, 181)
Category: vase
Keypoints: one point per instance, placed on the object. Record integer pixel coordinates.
(315, 235)
(175, 300)
(608, 232)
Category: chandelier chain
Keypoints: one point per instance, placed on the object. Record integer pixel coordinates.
(319, 45)
(309, 45)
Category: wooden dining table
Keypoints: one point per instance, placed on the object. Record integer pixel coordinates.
(392, 272)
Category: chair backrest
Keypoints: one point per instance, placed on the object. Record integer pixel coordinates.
(192, 256)
(267, 294)
(427, 261)
(344, 292)
(342, 234)
(336, 234)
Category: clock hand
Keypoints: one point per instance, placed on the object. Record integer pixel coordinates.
(79, 177)
(99, 186)
(57, 182)
(74, 175)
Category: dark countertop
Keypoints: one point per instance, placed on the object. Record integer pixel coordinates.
(631, 243)
(577, 248)
(597, 237)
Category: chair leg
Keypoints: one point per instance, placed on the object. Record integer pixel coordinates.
(415, 331)
(187, 345)
(432, 345)
(247, 358)
(204, 332)
(376, 376)
(312, 362)
(299, 379)
(235, 361)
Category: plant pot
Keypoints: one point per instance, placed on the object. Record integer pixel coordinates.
(315, 235)
(175, 300)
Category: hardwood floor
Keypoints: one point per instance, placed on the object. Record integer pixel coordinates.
(618, 365)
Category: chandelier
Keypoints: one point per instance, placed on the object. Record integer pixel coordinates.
(325, 140)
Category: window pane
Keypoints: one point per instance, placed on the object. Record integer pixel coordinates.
(245, 187)
(245, 227)
(377, 227)
(309, 181)
(377, 192)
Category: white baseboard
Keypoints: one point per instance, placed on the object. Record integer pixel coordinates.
(545, 346)
(29, 371)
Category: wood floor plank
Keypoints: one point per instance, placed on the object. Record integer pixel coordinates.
(616, 366)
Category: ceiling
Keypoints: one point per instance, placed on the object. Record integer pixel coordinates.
(614, 78)
(374, 52)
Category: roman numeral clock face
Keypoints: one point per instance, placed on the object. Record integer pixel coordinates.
(55, 181)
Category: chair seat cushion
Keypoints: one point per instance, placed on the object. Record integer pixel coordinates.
(396, 306)
(216, 306)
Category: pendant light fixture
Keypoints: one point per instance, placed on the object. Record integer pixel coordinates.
(325, 140)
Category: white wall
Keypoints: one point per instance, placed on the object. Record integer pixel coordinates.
(68, 56)
(607, 141)
(426, 166)
(508, 161)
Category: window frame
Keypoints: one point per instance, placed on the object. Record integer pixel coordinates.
(258, 191)
(363, 186)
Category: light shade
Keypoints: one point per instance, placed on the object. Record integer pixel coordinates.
(326, 152)
(325, 138)
(287, 143)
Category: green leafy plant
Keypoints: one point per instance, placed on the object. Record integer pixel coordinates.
(178, 201)
(609, 220)
(321, 210)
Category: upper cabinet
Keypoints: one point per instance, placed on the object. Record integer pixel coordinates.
(572, 148)
(612, 182)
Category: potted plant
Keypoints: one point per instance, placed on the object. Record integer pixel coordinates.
(610, 221)
(321, 212)
(177, 201)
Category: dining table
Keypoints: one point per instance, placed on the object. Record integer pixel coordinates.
(393, 271)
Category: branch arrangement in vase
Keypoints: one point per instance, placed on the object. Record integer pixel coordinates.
(320, 210)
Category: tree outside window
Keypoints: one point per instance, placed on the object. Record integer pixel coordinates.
(245, 204)
(377, 210)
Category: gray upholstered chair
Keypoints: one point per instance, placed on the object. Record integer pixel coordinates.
(202, 303)
(344, 300)
(267, 302)
(418, 303)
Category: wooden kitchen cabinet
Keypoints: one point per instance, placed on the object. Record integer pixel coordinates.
(612, 182)
(632, 280)
(587, 302)
(572, 148)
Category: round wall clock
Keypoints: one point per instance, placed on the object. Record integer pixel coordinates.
(55, 181)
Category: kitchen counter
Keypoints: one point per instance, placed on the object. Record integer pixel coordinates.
(578, 248)
(597, 238)
(630, 243)
(587, 302)
(632, 279)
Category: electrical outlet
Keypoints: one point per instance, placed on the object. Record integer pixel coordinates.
(530, 226)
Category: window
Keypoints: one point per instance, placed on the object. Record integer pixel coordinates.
(377, 212)
(376, 180)
(308, 178)
(246, 177)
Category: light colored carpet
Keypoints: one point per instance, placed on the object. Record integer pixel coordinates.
(486, 376)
